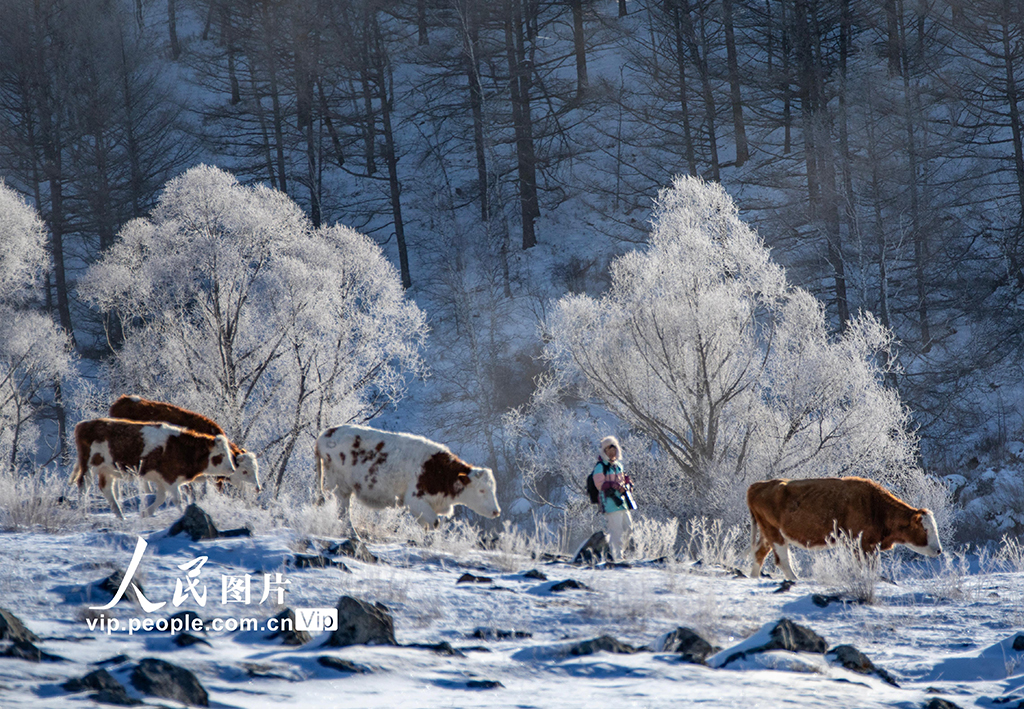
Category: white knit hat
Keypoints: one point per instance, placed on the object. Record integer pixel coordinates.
(610, 441)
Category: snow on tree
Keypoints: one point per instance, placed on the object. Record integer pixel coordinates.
(23, 256)
(232, 304)
(701, 346)
(35, 354)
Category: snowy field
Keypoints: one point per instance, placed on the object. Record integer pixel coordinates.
(942, 629)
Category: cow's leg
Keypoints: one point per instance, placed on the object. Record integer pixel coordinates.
(783, 560)
(423, 513)
(106, 485)
(344, 509)
(161, 495)
(759, 547)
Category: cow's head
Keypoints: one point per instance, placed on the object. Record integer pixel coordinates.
(247, 470)
(922, 533)
(219, 461)
(478, 493)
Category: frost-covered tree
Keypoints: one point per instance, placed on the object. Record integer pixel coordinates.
(35, 355)
(232, 304)
(703, 347)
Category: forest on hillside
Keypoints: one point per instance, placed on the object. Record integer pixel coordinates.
(502, 153)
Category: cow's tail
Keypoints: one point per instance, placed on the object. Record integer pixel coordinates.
(754, 531)
(319, 474)
(78, 472)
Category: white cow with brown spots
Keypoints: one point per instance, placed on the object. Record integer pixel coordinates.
(384, 469)
(808, 513)
(164, 455)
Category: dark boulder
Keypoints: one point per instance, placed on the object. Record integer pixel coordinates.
(568, 585)
(470, 578)
(853, 659)
(496, 634)
(113, 582)
(353, 548)
(690, 646)
(195, 523)
(785, 635)
(594, 550)
(360, 623)
(287, 632)
(11, 628)
(188, 639)
(605, 643)
(162, 679)
(24, 650)
(117, 697)
(341, 665)
(107, 690)
(95, 680)
(317, 561)
(940, 703)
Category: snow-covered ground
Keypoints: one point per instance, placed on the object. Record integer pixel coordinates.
(941, 630)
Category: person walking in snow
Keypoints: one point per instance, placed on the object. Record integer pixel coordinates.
(615, 501)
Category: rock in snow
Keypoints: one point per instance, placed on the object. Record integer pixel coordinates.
(360, 623)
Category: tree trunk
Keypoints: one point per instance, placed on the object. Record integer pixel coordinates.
(52, 145)
(787, 92)
(304, 80)
(519, 79)
(684, 103)
(917, 233)
(742, 151)
(699, 52)
(384, 80)
(892, 29)
(421, 22)
(228, 30)
(261, 119)
(470, 45)
(278, 116)
(325, 116)
(580, 46)
(172, 29)
(1012, 98)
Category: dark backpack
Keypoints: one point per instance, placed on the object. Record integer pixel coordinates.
(592, 491)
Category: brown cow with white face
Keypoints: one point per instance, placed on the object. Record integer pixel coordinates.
(135, 408)
(157, 452)
(382, 469)
(808, 513)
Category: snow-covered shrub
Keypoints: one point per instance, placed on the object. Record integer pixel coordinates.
(1010, 553)
(714, 543)
(652, 538)
(37, 501)
(844, 569)
(233, 305)
(703, 348)
(35, 355)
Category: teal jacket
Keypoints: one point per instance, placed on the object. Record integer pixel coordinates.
(610, 502)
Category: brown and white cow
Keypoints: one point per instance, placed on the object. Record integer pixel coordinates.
(135, 408)
(808, 513)
(383, 469)
(157, 452)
